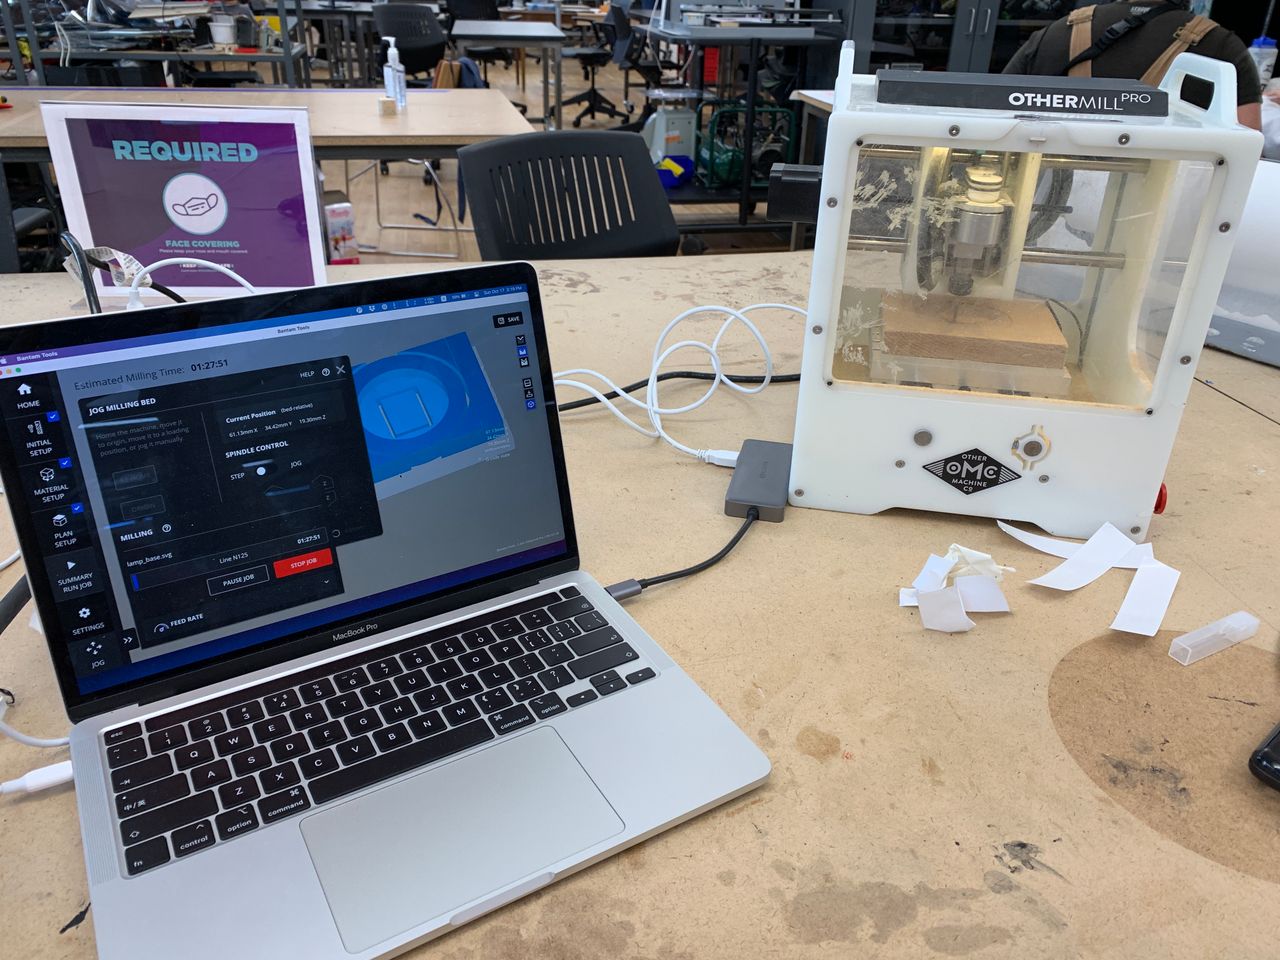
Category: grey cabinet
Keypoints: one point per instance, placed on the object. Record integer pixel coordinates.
(958, 35)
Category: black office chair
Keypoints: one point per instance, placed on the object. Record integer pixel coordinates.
(479, 10)
(592, 59)
(419, 38)
(36, 232)
(629, 53)
(561, 195)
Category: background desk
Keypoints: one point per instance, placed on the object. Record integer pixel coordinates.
(815, 108)
(349, 37)
(546, 37)
(932, 796)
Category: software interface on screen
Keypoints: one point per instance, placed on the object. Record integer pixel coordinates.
(201, 492)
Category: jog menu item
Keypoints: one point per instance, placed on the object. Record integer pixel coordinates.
(223, 495)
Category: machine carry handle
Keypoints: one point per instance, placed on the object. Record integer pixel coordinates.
(1218, 73)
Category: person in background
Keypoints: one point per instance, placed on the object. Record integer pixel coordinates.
(1137, 40)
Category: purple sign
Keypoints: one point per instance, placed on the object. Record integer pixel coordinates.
(225, 191)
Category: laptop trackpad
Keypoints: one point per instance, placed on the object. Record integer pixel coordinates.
(423, 847)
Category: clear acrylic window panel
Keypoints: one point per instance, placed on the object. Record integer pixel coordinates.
(1023, 274)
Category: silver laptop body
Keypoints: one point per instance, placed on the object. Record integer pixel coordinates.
(290, 742)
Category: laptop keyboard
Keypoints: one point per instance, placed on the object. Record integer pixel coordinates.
(204, 774)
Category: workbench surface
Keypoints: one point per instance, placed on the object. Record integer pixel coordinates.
(1039, 786)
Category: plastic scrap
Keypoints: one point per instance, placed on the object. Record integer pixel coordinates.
(1208, 640)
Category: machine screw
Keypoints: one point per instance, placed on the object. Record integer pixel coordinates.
(799, 492)
(831, 201)
(1184, 360)
(1150, 411)
(1222, 161)
(817, 328)
(858, 142)
(899, 464)
(1224, 227)
(1135, 530)
(1044, 478)
(923, 438)
(1124, 138)
(829, 383)
(954, 130)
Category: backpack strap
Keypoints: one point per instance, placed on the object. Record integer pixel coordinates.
(1081, 22)
(1188, 35)
(1110, 35)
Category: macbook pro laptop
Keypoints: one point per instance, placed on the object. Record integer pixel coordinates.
(307, 568)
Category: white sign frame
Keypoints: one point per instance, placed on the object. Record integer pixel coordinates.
(57, 113)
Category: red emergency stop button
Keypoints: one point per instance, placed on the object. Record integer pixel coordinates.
(303, 562)
(1162, 499)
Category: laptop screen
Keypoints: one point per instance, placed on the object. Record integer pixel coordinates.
(197, 492)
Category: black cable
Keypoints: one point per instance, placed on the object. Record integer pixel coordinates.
(752, 515)
(1045, 215)
(1074, 316)
(683, 375)
(13, 601)
(1216, 389)
(73, 246)
(157, 287)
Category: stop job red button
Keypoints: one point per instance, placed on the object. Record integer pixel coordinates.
(303, 562)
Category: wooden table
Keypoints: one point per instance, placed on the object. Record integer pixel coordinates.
(345, 124)
(1038, 787)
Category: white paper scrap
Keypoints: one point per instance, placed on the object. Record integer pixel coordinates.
(907, 597)
(969, 561)
(1140, 552)
(933, 574)
(943, 610)
(1049, 545)
(1148, 598)
(1095, 557)
(981, 595)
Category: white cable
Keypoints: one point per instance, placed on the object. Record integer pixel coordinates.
(10, 560)
(24, 738)
(42, 778)
(653, 410)
(135, 297)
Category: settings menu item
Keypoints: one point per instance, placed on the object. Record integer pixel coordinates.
(54, 490)
(227, 497)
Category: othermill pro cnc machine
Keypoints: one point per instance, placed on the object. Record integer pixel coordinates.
(1012, 281)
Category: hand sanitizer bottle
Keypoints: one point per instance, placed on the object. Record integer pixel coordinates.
(393, 76)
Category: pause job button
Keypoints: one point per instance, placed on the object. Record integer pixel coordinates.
(237, 580)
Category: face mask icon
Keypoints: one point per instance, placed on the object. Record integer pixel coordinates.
(196, 205)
